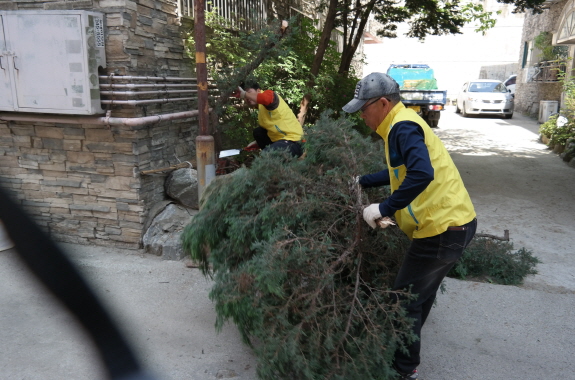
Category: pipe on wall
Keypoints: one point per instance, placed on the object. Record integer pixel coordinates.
(157, 92)
(97, 120)
(132, 86)
(127, 77)
(147, 101)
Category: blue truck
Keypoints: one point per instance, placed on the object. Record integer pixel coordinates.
(418, 90)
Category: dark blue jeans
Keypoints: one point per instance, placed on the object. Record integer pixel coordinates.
(424, 267)
(264, 142)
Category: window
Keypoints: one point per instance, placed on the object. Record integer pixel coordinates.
(567, 30)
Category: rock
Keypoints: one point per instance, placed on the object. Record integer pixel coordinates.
(182, 186)
(163, 236)
(572, 163)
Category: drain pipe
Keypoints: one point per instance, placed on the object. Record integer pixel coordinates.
(145, 101)
(128, 77)
(97, 120)
(205, 152)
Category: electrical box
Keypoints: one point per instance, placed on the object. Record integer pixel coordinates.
(546, 109)
(49, 61)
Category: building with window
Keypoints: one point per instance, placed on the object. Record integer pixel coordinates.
(548, 43)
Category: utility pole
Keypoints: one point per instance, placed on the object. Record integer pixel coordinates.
(205, 154)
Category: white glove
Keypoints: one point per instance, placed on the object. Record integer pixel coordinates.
(242, 92)
(371, 214)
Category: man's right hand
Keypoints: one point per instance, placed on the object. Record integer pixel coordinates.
(371, 214)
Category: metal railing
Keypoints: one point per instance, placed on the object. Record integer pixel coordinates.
(242, 14)
(548, 71)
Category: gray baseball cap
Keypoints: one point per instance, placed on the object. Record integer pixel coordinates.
(372, 86)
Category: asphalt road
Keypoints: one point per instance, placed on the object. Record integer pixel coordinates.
(477, 331)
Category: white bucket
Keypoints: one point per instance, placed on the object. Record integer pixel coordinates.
(5, 242)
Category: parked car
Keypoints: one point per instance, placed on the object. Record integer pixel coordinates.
(510, 83)
(485, 97)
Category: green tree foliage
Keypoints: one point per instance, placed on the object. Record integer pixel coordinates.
(494, 261)
(301, 274)
(285, 69)
(295, 266)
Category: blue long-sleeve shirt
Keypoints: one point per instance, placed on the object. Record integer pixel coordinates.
(406, 147)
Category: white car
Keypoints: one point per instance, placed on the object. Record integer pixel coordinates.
(485, 97)
(510, 83)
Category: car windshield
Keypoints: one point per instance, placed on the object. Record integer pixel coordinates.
(487, 87)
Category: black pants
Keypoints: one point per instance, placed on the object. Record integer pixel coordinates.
(265, 143)
(424, 267)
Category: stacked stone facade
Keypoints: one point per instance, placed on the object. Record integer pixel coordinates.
(528, 94)
(82, 182)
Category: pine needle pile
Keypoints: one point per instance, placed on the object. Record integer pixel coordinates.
(489, 260)
(296, 268)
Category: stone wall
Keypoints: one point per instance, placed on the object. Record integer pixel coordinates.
(81, 182)
(528, 94)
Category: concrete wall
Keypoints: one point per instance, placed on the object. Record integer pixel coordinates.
(500, 72)
(82, 182)
(528, 94)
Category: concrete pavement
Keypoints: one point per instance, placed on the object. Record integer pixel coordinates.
(477, 331)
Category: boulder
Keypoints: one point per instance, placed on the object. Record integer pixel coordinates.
(182, 186)
(162, 238)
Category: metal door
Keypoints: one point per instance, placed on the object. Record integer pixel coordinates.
(6, 95)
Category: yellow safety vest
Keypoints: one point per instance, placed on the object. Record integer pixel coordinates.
(445, 202)
(280, 123)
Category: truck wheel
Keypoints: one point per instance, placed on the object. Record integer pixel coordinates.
(433, 123)
(509, 116)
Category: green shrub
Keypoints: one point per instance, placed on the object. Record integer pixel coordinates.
(556, 134)
(494, 261)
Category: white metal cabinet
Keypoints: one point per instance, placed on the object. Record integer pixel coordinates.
(6, 99)
(52, 60)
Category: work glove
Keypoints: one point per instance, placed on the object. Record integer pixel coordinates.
(252, 146)
(373, 217)
(239, 93)
(371, 214)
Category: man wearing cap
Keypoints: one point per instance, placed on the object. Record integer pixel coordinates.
(428, 199)
(279, 128)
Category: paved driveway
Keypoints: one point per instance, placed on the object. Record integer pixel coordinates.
(477, 331)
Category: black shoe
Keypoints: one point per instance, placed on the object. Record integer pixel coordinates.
(408, 376)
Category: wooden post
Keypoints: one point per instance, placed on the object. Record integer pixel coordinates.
(205, 153)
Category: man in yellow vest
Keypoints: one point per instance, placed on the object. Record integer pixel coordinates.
(428, 199)
(279, 128)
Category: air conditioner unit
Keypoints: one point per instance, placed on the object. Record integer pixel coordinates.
(49, 61)
(546, 109)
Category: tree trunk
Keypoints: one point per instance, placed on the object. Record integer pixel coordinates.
(352, 41)
(318, 58)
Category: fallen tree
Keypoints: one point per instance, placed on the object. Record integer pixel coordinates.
(297, 269)
(295, 266)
